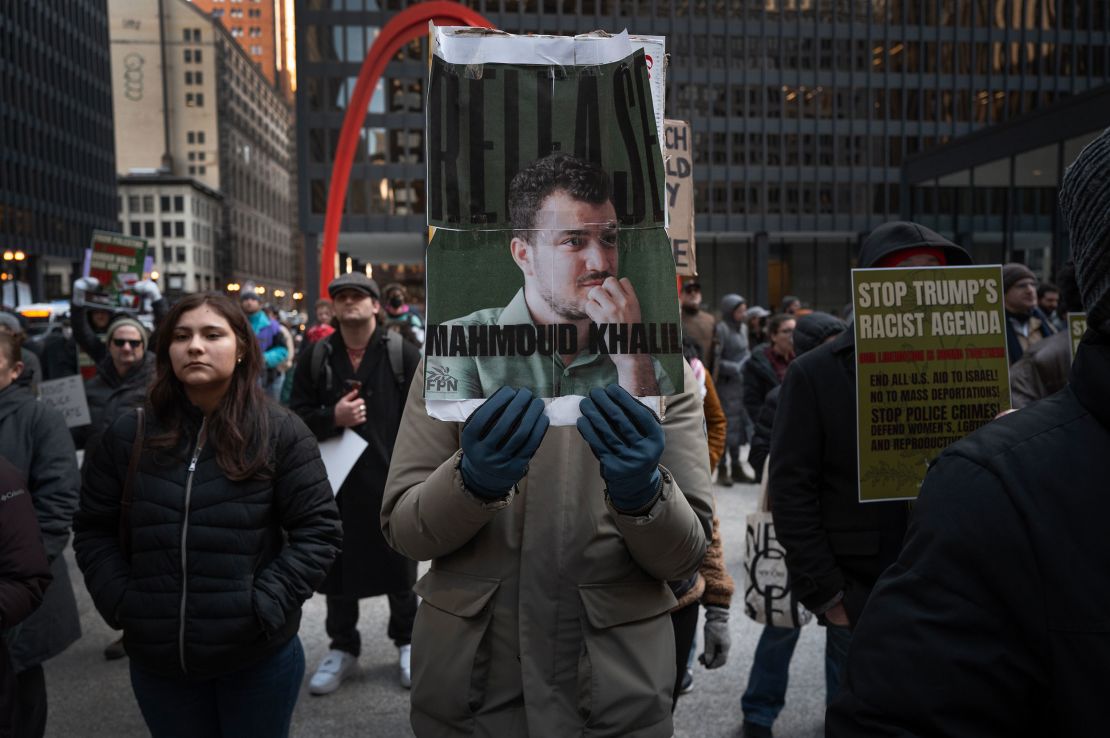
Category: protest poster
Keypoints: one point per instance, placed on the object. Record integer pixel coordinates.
(67, 396)
(117, 262)
(931, 367)
(549, 265)
(680, 196)
(1077, 326)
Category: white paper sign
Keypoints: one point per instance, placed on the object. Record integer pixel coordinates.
(340, 455)
(67, 396)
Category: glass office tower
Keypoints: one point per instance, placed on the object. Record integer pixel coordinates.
(803, 112)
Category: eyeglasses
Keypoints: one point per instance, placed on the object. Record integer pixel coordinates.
(132, 342)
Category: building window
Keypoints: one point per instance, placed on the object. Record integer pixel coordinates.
(256, 50)
(194, 100)
(200, 137)
(237, 32)
(148, 228)
(179, 228)
(200, 156)
(192, 169)
(179, 203)
(167, 229)
(164, 203)
(202, 170)
(167, 254)
(236, 12)
(188, 56)
(133, 203)
(180, 254)
(136, 228)
(148, 203)
(217, 12)
(254, 13)
(256, 32)
(192, 156)
(190, 137)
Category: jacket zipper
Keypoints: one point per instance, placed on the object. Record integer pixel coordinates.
(184, 536)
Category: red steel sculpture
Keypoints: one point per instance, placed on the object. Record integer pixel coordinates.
(409, 24)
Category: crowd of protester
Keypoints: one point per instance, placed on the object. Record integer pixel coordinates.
(571, 564)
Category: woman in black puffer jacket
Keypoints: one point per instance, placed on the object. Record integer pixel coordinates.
(231, 528)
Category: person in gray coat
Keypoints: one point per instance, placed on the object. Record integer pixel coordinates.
(34, 438)
(732, 351)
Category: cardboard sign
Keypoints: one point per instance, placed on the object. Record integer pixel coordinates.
(931, 367)
(549, 265)
(680, 196)
(1077, 326)
(67, 396)
(117, 262)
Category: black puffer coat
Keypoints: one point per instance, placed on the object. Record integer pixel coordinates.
(219, 569)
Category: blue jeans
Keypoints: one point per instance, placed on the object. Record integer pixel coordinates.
(258, 700)
(765, 696)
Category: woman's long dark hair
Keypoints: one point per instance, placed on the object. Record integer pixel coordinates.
(239, 428)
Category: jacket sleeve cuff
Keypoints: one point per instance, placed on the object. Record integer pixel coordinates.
(486, 503)
(829, 604)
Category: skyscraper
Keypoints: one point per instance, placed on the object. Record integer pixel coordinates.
(57, 166)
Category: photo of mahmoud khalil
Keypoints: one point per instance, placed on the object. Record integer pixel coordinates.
(574, 323)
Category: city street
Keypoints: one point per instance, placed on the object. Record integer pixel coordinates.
(92, 697)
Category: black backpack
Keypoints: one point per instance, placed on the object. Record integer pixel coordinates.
(321, 351)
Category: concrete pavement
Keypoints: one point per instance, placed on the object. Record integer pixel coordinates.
(91, 697)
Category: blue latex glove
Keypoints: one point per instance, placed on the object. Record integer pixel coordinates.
(628, 440)
(499, 440)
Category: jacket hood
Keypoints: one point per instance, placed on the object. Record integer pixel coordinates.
(729, 303)
(900, 235)
(13, 398)
(813, 330)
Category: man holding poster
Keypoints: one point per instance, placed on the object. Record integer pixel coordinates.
(564, 240)
(993, 621)
(546, 611)
(836, 547)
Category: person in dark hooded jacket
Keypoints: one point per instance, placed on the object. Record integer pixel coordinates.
(836, 547)
(993, 621)
(24, 575)
(34, 439)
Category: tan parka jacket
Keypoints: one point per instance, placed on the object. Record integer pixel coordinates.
(545, 614)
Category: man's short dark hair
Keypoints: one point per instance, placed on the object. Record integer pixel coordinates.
(580, 179)
(1045, 287)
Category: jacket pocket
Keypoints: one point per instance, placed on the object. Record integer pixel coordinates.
(627, 660)
(450, 648)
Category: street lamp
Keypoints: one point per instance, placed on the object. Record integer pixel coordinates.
(154, 275)
(260, 290)
(279, 293)
(232, 286)
(20, 256)
(298, 296)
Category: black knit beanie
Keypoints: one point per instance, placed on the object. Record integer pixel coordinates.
(1013, 273)
(1085, 204)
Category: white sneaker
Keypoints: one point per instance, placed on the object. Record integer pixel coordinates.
(329, 675)
(404, 658)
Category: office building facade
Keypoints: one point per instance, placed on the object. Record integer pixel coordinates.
(190, 102)
(803, 113)
(265, 30)
(57, 162)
